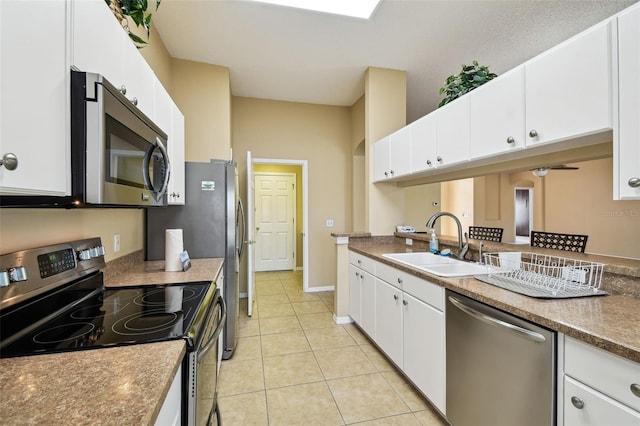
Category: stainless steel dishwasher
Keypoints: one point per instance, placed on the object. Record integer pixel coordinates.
(500, 368)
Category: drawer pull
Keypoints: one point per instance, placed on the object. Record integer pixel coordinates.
(577, 402)
(405, 303)
(635, 389)
(395, 297)
(399, 280)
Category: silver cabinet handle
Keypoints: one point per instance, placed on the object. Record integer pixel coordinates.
(9, 161)
(357, 274)
(635, 389)
(577, 402)
(395, 297)
(391, 172)
(386, 174)
(533, 133)
(531, 335)
(634, 182)
(399, 280)
(510, 140)
(134, 101)
(123, 89)
(405, 303)
(439, 159)
(429, 163)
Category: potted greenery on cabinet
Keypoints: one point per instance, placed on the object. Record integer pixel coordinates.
(137, 11)
(470, 77)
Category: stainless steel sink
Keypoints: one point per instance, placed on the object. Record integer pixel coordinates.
(441, 266)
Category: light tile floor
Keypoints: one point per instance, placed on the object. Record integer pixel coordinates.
(294, 366)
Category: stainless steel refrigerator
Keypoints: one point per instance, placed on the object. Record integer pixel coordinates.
(212, 221)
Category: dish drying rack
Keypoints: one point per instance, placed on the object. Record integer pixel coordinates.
(543, 276)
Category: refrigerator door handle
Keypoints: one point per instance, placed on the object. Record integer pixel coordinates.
(241, 219)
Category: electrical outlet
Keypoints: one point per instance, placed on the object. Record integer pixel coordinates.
(329, 223)
(116, 243)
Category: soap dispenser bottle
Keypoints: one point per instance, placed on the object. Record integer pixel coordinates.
(433, 244)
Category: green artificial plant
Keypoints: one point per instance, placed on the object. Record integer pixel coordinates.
(137, 11)
(471, 77)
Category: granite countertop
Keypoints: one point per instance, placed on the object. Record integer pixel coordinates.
(118, 385)
(609, 322)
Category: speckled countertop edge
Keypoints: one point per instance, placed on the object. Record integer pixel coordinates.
(609, 322)
(123, 385)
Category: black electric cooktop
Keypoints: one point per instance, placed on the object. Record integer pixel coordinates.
(90, 318)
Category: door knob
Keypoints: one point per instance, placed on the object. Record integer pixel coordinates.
(510, 140)
(533, 133)
(577, 402)
(634, 182)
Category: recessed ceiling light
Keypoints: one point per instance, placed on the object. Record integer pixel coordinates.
(355, 8)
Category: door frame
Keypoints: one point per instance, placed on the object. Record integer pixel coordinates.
(515, 215)
(305, 209)
(294, 211)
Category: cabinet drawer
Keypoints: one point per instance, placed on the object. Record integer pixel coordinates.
(392, 275)
(596, 408)
(425, 291)
(608, 373)
(362, 262)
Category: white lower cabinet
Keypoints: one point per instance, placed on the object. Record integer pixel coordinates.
(404, 316)
(424, 347)
(171, 411)
(389, 320)
(600, 388)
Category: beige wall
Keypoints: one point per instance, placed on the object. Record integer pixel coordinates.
(28, 228)
(385, 111)
(419, 205)
(297, 170)
(575, 202)
(157, 56)
(316, 133)
(203, 94)
(457, 198)
(358, 167)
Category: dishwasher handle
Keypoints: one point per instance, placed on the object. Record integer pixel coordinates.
(531, 335)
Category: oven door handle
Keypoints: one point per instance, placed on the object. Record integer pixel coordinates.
(212, 341)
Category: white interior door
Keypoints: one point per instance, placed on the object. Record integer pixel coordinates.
(274, 219)
(250, 237)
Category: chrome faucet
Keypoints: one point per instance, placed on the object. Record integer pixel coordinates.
(463, 248)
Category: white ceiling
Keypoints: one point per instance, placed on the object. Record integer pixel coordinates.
(281, 53)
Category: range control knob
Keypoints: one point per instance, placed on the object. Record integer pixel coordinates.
(17, 274)
(96, 251)
(84, 254)
(4, 278)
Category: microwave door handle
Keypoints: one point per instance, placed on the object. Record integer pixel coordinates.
(223, 318)
(157, 194)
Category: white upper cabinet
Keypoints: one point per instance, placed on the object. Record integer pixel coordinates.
(176, 155)
(169, 118)
(626, 143)
(100, 45)
(400, 152)
(568, 88)
(34, 101)
(423, 143)
(497, 116)
(453, 132)
(381, 160)
(98, 40)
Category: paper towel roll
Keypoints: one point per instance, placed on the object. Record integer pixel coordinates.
(172, 249)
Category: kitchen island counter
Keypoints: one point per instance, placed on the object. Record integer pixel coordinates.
(118, 385)
(609, 322)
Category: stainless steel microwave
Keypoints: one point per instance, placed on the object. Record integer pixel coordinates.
(118, 155)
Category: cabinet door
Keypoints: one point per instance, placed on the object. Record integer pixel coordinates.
(355, 288)
(400, 152)
(423, 143)
(138, 78)
(389, 320)
(626, 149)
(34, 83)
(381, 160)
(583, 406)
(368, 304)
(497, 116)
(453, 133)
(424, 346)
(176, 154)
(98, 40)
(569, 88)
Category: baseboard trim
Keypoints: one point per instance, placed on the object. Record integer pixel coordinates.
(325, 288)
(342, 320)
